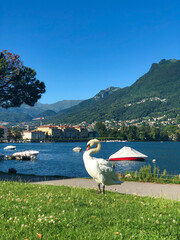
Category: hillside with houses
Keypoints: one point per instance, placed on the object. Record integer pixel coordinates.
(155, 94)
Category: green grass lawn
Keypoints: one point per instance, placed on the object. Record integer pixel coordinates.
(55, 212)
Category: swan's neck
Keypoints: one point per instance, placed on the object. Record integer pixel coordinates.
(95, 150)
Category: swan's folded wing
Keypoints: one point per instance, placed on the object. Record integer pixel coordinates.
(107, 172)
(104, 165)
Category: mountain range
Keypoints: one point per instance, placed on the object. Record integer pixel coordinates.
(26, 113)
(154, 94)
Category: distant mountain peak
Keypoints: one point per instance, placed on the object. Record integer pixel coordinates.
(155, 66)
(164, 61)
(106, 92)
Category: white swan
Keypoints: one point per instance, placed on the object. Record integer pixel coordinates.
(101, 170)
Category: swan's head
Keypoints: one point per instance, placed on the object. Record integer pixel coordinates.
(93, 142)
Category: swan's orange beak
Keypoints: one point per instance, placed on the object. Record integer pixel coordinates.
(88, 147)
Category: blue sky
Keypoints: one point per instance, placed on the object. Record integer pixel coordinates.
(81, 47)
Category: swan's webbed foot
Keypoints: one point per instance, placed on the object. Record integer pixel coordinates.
(99, 188)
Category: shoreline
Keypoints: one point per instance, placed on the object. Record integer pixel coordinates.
(20, 177)
(80, 140)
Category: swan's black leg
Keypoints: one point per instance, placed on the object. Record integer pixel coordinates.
(99, 188)
(103, 189)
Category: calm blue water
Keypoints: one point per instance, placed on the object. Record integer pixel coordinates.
(59, 158)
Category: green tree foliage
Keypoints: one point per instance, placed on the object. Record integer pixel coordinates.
(143, 133)
(155, 134)
(114, 133)
(173, 132)
(18, 84)
(16, 133)
(133, 133)
(101, 129)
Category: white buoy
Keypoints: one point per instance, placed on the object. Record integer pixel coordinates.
(154, 160)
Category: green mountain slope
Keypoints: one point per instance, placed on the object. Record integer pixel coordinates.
(25, 113)
(156, 92)
(14, 118)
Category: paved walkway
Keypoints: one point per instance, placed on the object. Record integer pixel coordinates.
(169, 191)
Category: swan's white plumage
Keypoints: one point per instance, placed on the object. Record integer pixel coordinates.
(99, 169)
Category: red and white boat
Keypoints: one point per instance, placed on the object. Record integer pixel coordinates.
(127, 154)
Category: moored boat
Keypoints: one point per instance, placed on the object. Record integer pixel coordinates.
(77, 149)
(25, 155)
(10, 148)
(127, 154)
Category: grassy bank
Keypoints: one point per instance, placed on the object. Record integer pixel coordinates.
(54, 212)
(149, 174)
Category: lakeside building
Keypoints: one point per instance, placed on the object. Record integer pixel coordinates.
(69, 132)
(51, 131)
(5, 133)
(33, 135)
(92, 133)
(74, 132)
(55, 132)
(83, 132)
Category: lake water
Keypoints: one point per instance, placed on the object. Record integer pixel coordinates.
(59, 158)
